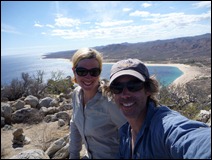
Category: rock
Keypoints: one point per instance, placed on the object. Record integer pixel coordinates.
(31, 154)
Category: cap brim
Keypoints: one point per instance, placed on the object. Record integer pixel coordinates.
(127, 72)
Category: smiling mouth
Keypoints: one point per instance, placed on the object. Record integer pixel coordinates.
(127, 104)
(127, 107)
(87, 83)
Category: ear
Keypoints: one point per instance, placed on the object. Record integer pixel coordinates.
(147, 93)
(74, 78)
(73, 69)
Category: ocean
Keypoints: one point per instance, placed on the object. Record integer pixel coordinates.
(13, 65)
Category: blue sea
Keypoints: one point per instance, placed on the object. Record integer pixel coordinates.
(13, 65)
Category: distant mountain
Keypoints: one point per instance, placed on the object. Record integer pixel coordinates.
(196, 48)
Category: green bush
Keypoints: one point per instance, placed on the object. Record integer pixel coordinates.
(34, 85)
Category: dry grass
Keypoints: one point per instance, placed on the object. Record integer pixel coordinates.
(41, 135)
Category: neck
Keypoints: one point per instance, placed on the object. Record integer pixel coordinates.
(135, 128)
(136, 123)
(88, 95)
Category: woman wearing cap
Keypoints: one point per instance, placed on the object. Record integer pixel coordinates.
(153, 131)
(95, 120)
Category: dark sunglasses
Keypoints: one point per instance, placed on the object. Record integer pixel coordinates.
(83, 71)
(132, 86)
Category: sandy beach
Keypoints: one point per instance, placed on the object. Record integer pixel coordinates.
(189, 72)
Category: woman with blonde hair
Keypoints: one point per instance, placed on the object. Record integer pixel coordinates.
(96, 119)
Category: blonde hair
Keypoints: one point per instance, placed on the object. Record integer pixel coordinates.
(86, 53)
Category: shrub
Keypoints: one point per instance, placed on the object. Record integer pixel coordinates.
(35, 86)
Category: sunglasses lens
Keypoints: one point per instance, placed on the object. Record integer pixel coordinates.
(81, 71)
(136, 86)
(117, 88)
(95, 72)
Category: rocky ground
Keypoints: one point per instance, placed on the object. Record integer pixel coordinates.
(41, 136)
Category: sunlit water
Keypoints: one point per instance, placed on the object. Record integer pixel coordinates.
(13, 66)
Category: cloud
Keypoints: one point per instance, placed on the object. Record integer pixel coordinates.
(105, 23)
(146, 5)
(204, 4)
(126, 9)
(140, 14)
(50, 26)
(38, 25)
(113, 23)
(66, 22)
(178, 19)
(69, 34)
(162, 26)
(9, 29)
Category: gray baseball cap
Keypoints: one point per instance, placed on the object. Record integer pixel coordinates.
(133, 67)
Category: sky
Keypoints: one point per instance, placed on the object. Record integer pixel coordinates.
(40, 27)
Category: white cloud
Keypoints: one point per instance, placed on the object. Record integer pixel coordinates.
(140, 13)
(50, 26)
(206, 4)
(69, 34)
(9, 29)
(106, 28)
(104, 21)
(113, 23)
(162, 27)
(37, 24)
(126, 9)
(66, 22)
(178, 19)
(146, 5)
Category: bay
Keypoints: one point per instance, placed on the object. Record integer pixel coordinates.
(12, 66)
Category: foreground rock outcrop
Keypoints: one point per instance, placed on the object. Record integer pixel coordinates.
(31, 110)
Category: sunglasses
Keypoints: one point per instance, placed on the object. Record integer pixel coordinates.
(132, 86)
(83, 71)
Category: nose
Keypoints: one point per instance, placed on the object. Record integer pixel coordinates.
(125, 93)
(88, 75)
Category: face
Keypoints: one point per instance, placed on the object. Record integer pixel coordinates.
(87, 82)
(132, 103)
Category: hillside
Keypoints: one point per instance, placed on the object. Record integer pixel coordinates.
(183, 50)
(188, 99)
(194, 50)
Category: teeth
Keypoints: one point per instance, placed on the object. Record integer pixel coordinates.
(87, 83)
(127, 104)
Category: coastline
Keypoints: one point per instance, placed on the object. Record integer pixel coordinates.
(189, 72)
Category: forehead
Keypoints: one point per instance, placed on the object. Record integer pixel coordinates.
(88, 63)
(125, 78)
